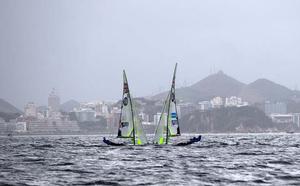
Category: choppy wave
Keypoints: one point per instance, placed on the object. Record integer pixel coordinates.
(263, 159)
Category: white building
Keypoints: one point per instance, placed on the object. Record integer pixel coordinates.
(156, 118)
(234, 101)
(53, 102)
(113, 118)
(30, 110)
(275, 108)
(2, 125)
(115, 110)
(282, 118)
(185, 108)
(204, 105)
(21, 127)
(144, 117)
(41, 115)
(84, 115)
(286, 118)
(217, 102)
(52, 126)
(102, 109)
(296, 118)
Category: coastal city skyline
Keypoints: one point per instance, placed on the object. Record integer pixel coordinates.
(161, 89)
(83, 54)
(131, 92)
(219, 93)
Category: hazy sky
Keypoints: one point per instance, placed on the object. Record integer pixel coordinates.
(81, 47)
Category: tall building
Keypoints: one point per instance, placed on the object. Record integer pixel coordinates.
(275, 108)
(30, 110)
(53, 102)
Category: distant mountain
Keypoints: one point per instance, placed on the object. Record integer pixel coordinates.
(220, 84)
(265, 90)
(69, 106)
(6, 107)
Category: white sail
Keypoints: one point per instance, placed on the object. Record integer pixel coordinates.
(161, 129)
(129, 125)
(126, 119)
(140, 137)
(168, 125)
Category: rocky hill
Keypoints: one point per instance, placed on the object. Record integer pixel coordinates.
(220, 84)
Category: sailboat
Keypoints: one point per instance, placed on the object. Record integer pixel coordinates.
(129, 125)
(168, 125)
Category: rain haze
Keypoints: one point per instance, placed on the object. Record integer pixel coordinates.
(81, 47)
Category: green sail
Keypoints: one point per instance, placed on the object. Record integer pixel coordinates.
(168, 125)
(129, 125)
(160, 132)
(140, 136)
(126, 118)
(173, 123)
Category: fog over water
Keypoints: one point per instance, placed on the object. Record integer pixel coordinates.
(81, 47)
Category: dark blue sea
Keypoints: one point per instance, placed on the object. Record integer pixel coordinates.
(227, 159)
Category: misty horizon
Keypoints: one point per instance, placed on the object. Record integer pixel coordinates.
(81, 48)
(166, 88)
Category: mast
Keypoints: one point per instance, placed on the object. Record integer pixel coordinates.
(171, 94)
(175, 102)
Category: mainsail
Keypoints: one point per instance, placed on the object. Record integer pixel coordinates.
(168, 125)
(129, 125)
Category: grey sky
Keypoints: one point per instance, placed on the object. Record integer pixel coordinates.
(81, 47)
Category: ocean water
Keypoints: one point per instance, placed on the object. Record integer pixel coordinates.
(256, 159)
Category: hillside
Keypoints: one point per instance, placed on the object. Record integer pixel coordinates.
(6, 107)
(220, 84)
(244, 119)
(265, 90)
